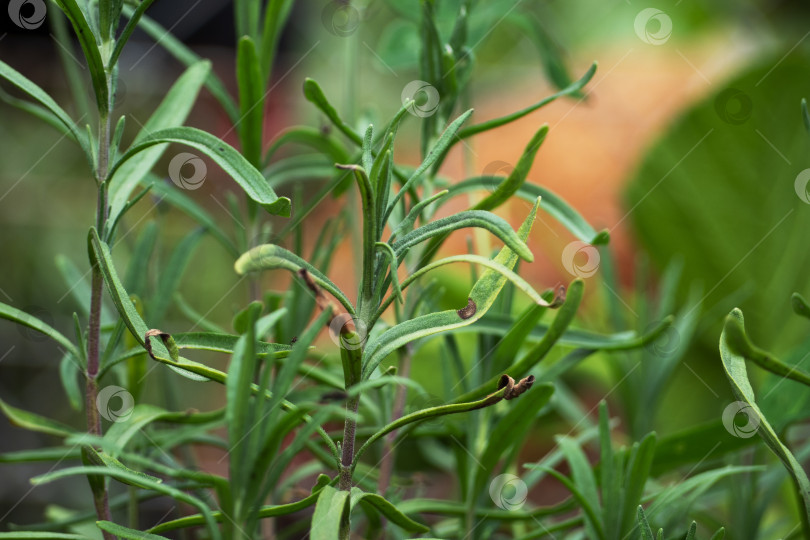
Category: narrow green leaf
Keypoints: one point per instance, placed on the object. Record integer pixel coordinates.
(386, 509)
(585, 502)
(58, 114)
(171, 275)
(437, 152)
(646, 531)
(584, 479)
(270, 256)
(25, 535)
(690, 535)
(406, 225)
(314, 94)
(172, 111)
(238, 397)
(91, 51)
(275, 18)
(481, 298)
(263, 512)
(512, 426)
(185, 204)
(513, 278)
(469, 218)
(134, 19)
(734, 366)
(311, 137)
(69, 370)
(517, 177)
(552, 203)
(20, 317)
(126, 532)
(330, 521)
(573, 89)
(805, 115)
(638, 469)
(34, 422)
(124, 475)
(251, 100)
(231, 161)
(739, 344)
(565, 314)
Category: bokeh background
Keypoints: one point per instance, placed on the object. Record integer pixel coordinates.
(686, 147)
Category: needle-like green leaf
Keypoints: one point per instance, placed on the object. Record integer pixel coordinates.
(481, 298)
(172, 112)
(237, 167)
(734, 366)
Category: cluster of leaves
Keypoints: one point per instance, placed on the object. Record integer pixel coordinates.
(279, 403)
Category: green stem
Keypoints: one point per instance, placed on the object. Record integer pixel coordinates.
(100, 496)
(352, 359)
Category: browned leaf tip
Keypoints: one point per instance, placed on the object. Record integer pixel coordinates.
(559, 297)
(148, 342)
(513, 389)
(320, 298)
(467, 312)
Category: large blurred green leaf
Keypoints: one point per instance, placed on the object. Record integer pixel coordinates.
(718, 191)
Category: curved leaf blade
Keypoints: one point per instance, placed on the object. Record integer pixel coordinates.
(734, 366)
(227, 157)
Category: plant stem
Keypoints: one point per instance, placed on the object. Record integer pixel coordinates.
(349, 432)
(100, 496)
(352, 359)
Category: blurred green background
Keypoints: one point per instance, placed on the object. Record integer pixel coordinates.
(687, 149)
